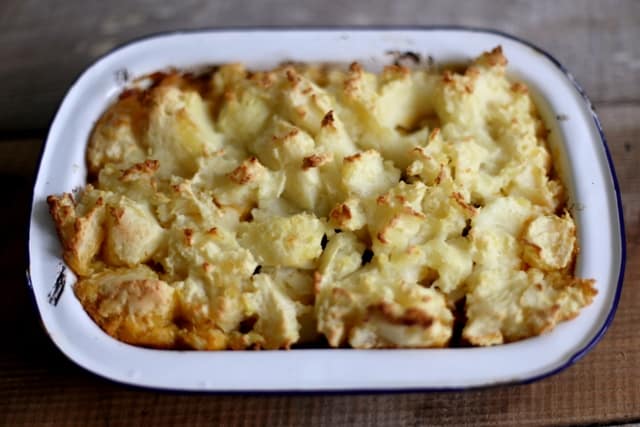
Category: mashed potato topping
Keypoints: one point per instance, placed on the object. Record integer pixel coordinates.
(240, 209)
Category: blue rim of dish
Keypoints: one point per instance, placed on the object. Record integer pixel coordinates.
(623, 246)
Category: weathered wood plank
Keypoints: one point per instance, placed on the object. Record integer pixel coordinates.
(38, 386)
(43, 47)
(19, 157)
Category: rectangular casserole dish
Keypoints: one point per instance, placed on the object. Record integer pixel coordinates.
(576, 141)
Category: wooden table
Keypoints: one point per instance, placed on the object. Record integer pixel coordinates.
(43, 47)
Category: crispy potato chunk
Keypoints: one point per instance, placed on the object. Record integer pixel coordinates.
(118, 136)
(509, 305)
(550, 242)
(367, 174)
(132, 234)
(289, 242)
(132, 305)
(276, 325)
(375, 308)
(179, 131)
(79, 227)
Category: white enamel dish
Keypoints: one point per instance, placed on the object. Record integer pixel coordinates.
(577, 142)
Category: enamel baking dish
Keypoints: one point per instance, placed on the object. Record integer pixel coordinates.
(576, 141)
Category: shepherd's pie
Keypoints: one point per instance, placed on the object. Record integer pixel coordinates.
(315, 204)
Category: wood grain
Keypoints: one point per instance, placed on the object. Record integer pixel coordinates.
(43, 48)
(38, 386)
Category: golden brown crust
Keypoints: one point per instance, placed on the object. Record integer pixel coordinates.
(136, 311)
(463, 204)
(494, 58)
(410, 317)
(340, 214)
(519, 87)
(245, 173)
(148, 167)
(119, 133)
(315, 160)
(353, 158)
(81, 236)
